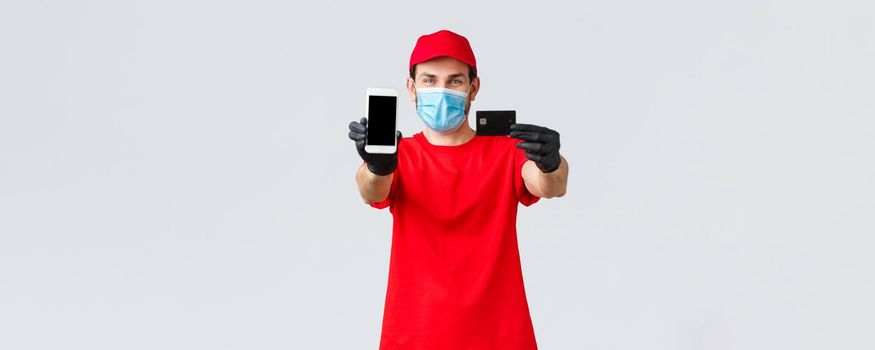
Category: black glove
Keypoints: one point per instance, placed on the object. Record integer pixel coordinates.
(541, 144)
(379, 164)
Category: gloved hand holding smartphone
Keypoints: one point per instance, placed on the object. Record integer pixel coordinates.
(378, 163)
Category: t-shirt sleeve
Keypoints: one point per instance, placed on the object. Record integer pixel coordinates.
(522, 193)
(392, 189)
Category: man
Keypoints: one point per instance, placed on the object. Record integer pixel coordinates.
(455, 280)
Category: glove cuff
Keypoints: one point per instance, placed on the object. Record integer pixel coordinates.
(383, 170)
(547, 171)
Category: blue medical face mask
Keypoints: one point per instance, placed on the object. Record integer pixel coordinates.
(441, 109)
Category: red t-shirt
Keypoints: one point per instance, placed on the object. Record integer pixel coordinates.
(455, 280)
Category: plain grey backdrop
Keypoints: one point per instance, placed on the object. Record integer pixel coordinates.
(177, 174)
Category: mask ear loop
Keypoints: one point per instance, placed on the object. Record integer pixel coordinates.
(467, 95)
(416, 95)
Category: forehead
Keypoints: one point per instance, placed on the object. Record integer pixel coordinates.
(442, 66)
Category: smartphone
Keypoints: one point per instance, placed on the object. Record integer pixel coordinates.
(382, 117)
(495, 123)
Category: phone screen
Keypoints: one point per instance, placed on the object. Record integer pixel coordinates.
(381, 120)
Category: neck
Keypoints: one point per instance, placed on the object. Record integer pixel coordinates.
(463, 134)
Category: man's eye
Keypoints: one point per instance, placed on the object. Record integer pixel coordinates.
(456, 81)
(428, 81)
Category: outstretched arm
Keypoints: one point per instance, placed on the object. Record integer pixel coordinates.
(373, 188)
(546, 185)
(546, 172)
(374, 176)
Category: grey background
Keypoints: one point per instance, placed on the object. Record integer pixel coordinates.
(176, 174)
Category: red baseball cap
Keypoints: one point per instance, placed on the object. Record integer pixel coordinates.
(442, 43)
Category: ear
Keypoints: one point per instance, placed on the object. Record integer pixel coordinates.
(475, 87)
(411, 90)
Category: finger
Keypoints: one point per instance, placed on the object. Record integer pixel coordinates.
(533, 128)
(526, 135)
(364, 121)
(527, 127)
(547, 144)
(534, 157)
(531, 146)
(357, 136)
(357, 127)
(397, 140)
(550, 147)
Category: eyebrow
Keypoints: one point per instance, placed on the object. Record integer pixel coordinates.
(430, 75)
